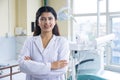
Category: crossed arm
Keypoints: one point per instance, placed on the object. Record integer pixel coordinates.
(54, 65)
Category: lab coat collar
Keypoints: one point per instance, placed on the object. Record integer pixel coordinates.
(38, 42)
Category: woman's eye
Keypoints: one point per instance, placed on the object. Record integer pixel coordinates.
(42, 19)
(45, 19)
(50, 18)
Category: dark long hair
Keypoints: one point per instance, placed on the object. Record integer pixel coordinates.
(37, 30)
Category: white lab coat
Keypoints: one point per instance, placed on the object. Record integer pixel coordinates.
(39, 68)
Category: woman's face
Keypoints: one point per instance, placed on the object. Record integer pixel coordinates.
(46, 22)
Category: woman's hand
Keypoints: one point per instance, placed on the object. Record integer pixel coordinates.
(58, 64)
(27, 58)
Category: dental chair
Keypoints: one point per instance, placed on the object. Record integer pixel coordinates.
(91, 67)
(88, 77)
(90, 64)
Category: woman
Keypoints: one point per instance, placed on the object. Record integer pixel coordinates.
(45, 56)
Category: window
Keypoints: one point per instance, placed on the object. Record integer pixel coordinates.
(86, 15)
(85, 6)
(114, 5)
(116, 43)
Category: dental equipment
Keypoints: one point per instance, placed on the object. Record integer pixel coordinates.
(94, 59)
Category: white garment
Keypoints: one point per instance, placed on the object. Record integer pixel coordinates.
(39, 68)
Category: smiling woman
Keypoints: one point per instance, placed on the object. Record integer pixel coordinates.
(47, 53)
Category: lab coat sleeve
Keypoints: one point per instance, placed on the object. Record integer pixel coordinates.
(29, 66)
(64, 53)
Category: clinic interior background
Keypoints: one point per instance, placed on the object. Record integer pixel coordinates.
(17, 21)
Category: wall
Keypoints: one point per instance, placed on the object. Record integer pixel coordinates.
(21, 13)
(12, 16)
(4, 17)
(26, 10)
(63, 25)
(31, 12)
(7, 17)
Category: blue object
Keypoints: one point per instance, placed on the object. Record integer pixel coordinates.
(87, 77)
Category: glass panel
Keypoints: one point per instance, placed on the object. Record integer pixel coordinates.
(102, 5)
(102, 29)
(116, 42)
(84, 6)
(114, 5)
(88, 6)
(88, 25)
(85, 24)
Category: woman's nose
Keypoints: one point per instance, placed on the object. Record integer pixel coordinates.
(47, 21)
